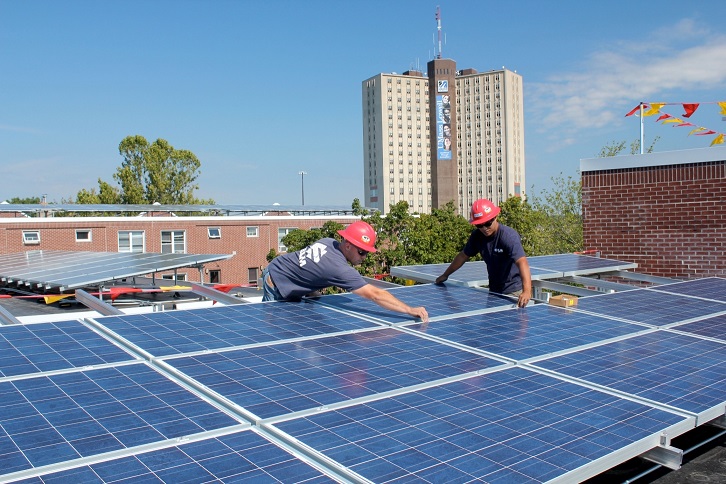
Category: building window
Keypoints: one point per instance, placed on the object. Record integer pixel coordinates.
(214, 232)
(170, 277)
(252, 275)
(281, 233)
(83, 235)
(215, 276)
(31, 237)
(173, 242)
(131, 241)
(253, 231)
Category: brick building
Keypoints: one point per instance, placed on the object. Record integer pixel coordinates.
(249, 238)
(664, 211)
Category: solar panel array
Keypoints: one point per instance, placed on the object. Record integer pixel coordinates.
(339, 390)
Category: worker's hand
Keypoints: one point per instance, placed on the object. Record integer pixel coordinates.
(420, 312)
(440, 280)
(524, 298)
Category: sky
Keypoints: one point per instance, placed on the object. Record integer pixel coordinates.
(260, 91)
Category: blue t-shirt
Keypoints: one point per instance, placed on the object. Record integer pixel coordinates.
(500, 252)
(315, 267)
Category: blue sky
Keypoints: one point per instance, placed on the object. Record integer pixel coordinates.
(262, 90)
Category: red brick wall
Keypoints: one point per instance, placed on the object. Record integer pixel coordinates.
(670, 220)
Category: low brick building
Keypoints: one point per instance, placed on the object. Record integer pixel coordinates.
(664, 211)
(248, 238)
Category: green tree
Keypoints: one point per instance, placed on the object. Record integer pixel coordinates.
(298, 239)
(616, 147)
(149, 173)
(24, 201)
(557, 221)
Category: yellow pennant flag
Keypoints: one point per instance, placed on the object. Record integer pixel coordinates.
(672, 120)
(723, 108)
(718, 140)
(654, 109)
(696, 131)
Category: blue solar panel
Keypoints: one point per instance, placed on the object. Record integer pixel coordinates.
(710, 327)
(673, 369)
(471, 274)
(243, 456)
(528, 332)
(576, 264)
(707, 288)
(650, 307)
(507, 426)
(174, 332)
(278, 379)
(35, 348)
(46, 420)
(439, 301)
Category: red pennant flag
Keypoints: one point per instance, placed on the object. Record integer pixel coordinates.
(636, 109)
(706, 132)
(683, 124)
(663, 116)
(690, 109)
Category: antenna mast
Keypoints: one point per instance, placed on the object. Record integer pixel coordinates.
(438, 28)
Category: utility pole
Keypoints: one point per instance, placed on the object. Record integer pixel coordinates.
(302, 185)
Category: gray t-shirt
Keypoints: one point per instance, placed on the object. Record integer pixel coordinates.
(500, 252)
(315, 267)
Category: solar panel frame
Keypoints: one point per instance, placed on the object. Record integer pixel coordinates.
(303, 376)
(655, 308)
(531, 332)
(512, 425)
(441, 302)
(711, 288)
(68, 269)
(663, 367)
(471, 274)
(56, 346)
(578, 264)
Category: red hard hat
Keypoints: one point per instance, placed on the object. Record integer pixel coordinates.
(482, 211)
(360, 234)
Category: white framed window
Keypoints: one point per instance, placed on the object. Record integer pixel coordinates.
(83, 235)
(131, 241)
(181, 276)
(214, 232)
(282, 232)
(253, 231)
(173, 242)
(31, 237)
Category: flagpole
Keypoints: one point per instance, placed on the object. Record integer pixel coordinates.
(641, 128)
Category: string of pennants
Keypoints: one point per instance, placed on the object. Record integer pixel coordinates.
(116, 291)
(651, 109)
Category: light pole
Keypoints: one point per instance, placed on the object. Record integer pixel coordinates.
(302, 185)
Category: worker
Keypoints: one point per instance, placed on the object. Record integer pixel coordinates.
(501, 248)
(326, 263)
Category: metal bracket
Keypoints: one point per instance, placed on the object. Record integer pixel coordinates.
(665, 454)
(719, 422)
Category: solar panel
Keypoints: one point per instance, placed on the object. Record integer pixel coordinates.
(51, 419)
(275, 380)
(707, 288)
(650, 307)
(577, 264)
(174, 332)
(673, 369)
(472, 274)
(507, 426)
(528, 332)
(34, 348)
(710, 327)
(440, 301)
(68, 270)
(242, 456)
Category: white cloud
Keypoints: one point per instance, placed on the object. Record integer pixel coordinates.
(677, 58)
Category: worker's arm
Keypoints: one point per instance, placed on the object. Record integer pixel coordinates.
(526, 295)
(387, 300)
(458, 261)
